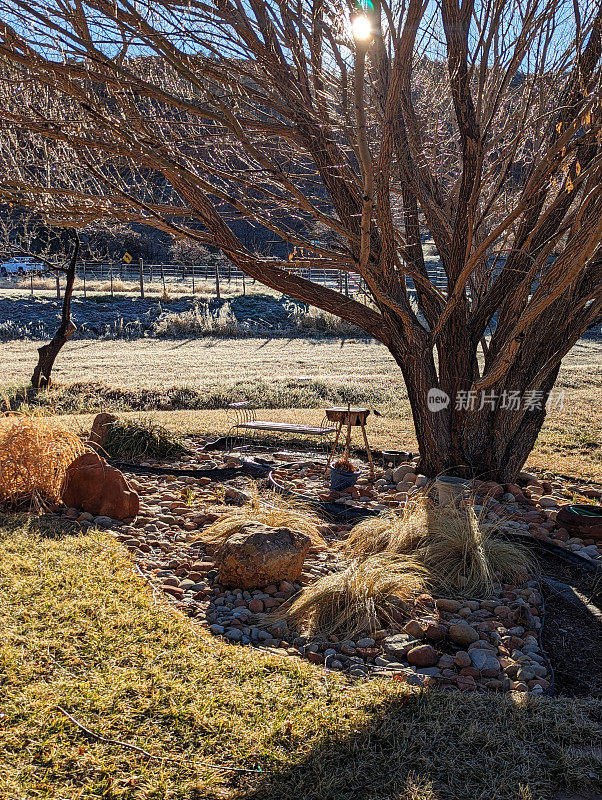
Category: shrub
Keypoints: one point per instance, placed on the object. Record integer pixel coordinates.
(135, 438)
(393, 532)
(199, 321)
(362, 598)
(34, 456)
(462, 553)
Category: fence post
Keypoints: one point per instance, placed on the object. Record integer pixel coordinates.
(151, 273)
(244, 288)
(192, 268)
(346, 275)
(217, 294)
(111, 281)
(31, 282)
(163, 279)
(85, 292)
(141, 265)
(58, 287)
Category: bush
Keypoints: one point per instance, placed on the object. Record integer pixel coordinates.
(462, 553)
(133, 439)
(364, 597)
(34, 456)
(273, 510)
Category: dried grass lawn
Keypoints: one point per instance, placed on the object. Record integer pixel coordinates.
(82, 631)
(570, 442)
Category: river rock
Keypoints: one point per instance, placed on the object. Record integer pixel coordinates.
(445, 604)
(398, 645)
(485, 662)
(423, 656)
(462, 634)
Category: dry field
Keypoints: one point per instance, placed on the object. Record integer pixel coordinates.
(82, 632)
(570, 443)
(205, 363)
(46, 287)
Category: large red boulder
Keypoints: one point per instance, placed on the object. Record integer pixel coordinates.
(94, 486)
(100, 430)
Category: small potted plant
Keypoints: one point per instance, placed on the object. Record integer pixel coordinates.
(343, 474)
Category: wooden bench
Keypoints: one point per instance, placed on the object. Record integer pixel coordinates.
(246, 420)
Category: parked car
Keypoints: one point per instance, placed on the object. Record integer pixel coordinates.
(20, 265)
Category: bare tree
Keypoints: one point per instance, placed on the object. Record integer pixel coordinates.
(478, 122)
(47, 353)
(26, 235)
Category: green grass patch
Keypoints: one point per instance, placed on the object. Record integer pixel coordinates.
(577, 439)
(90, 398)
(81, 630)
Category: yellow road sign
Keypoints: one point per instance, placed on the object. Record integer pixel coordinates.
(127, 258)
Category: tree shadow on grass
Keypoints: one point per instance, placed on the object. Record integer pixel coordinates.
(50, 527)
(45, 525)
(447, 746)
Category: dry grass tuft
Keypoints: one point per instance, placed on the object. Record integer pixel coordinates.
(393, 532)
(270, 509)
(362, 598)
(142, 437)
(34, 455)
(461, 552)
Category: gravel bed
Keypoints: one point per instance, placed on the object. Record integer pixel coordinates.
(463, 643)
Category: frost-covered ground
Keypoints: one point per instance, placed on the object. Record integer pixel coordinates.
(106, 317)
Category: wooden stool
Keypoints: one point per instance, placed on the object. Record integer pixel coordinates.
(352, 417)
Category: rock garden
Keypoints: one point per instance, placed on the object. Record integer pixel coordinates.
(387, 578)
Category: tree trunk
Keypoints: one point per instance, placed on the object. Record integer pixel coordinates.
(48, 353)
(462, 438)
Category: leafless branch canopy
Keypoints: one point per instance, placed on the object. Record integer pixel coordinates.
(480, 121)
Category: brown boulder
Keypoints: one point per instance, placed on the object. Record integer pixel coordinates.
(259, 555)
(100, 430)
(92, 485)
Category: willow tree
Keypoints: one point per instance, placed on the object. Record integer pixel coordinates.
(478, 123)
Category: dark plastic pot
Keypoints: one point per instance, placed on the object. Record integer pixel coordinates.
(340, 480)
(582, 520)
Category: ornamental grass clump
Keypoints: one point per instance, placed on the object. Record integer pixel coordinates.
(363, 598)
(34, 456)
(462, 553)
(142, 438)
(270, 509)
(392, 532)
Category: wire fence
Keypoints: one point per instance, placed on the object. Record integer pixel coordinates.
(189, 278)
